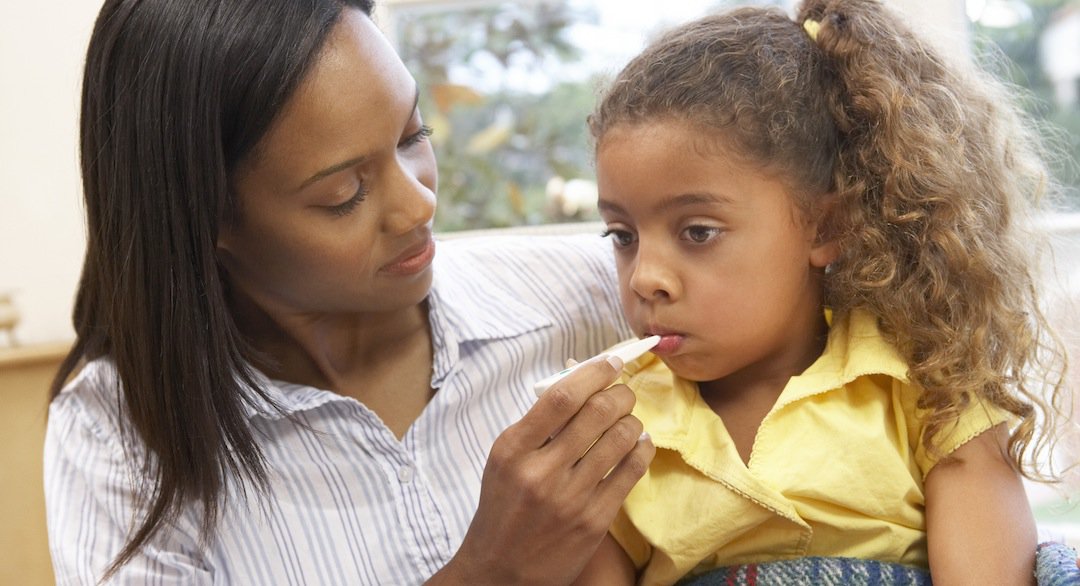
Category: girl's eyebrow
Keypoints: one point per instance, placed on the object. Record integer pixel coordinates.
(689, 199)
(355, 160)
(676, 201)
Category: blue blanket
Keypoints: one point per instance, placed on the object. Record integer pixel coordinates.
(1055, 565)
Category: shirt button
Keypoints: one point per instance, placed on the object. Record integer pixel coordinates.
(405, 474)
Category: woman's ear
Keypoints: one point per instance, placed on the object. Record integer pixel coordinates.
(222, 244)
(226, 236)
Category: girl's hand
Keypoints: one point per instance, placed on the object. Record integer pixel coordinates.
(547, 497)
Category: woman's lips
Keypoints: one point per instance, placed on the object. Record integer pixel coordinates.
(413, 260)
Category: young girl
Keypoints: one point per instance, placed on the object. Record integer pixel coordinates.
(825, 223)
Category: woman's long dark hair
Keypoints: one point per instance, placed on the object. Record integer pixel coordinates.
(175, 94)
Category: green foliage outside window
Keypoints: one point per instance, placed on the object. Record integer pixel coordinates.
(1013, 54)
(499, 147)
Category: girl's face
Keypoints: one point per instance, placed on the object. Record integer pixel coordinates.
(712, 254)
(336, 202)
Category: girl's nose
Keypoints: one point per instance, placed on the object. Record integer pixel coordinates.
(652, 277)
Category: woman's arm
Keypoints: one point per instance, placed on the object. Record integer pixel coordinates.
(547, 497)
(979, 524)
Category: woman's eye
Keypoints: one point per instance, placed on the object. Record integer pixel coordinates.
(701, 234)
(417, 137)
(348, 206)
(621, 238)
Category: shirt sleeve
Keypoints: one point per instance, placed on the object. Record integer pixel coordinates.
(90, 505)
(972, 421)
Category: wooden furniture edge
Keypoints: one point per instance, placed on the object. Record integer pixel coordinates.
(33, 354)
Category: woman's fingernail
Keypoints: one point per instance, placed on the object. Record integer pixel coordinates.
(615, 362)
(644, 436)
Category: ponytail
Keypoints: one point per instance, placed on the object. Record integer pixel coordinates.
(937, 180)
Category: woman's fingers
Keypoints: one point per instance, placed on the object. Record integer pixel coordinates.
(616, 485)
(601, 414)
(545, 505)
(610, 448)
(561, 403)
(628, 472)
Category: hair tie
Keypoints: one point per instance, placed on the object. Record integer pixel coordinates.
(812, 27)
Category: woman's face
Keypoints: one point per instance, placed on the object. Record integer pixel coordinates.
(336, 202)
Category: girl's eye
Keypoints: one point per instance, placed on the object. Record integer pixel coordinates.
(621, 238)
(417, 137)
(348, 206)
(701, 234)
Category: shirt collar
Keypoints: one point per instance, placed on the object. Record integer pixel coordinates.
(476, 306)
(280, 398)
(468, 305)
(855, 348)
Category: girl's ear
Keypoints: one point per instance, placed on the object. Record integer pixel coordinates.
(824, 253)
(826, 249)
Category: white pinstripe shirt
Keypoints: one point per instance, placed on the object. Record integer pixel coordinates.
(349, 502)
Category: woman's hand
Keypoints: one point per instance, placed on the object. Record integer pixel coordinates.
(547, 497)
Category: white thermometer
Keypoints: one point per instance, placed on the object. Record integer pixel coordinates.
(627, 353)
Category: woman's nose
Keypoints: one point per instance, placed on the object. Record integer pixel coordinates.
(413, 196)
(653, 277)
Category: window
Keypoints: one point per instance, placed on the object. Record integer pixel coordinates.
(507, 86)
(1036, 45)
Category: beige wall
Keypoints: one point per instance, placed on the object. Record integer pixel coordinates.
(41, 227)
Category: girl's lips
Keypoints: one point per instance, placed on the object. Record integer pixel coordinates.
(669, 344)
(412, 261)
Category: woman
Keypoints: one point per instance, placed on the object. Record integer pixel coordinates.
(273, 389)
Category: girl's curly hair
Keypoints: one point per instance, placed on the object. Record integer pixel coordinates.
(924, 172)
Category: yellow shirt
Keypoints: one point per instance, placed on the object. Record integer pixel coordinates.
(836, 469)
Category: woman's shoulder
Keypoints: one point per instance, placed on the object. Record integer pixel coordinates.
(528, 248)
(568, 270)
(91, 397)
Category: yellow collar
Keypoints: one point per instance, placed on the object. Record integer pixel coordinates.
(855, 348)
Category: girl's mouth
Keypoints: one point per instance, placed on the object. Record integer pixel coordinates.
(670, 342)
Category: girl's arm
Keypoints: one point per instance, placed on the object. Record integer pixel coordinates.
(979, 525)
(609, 566)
